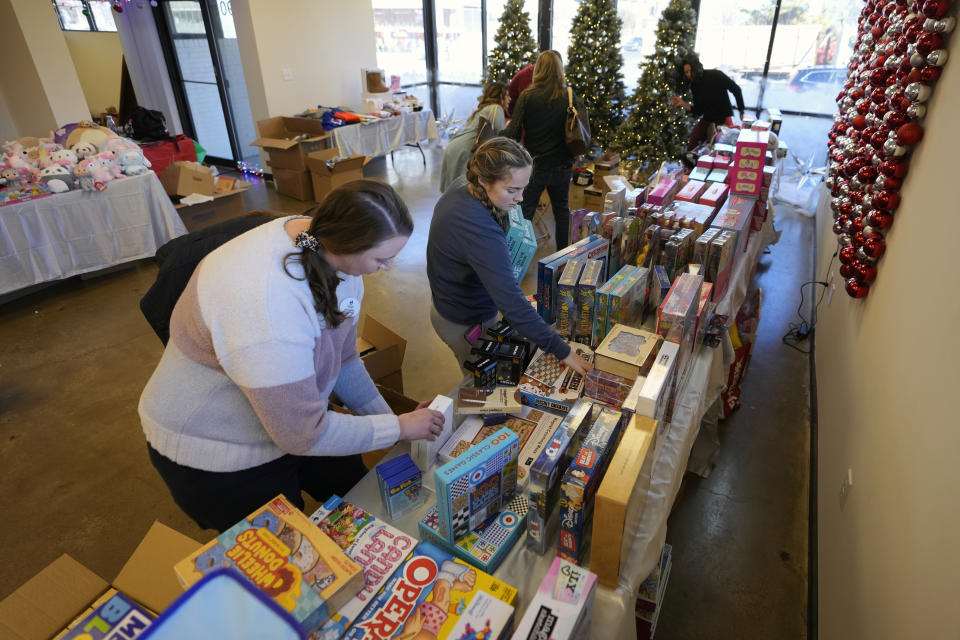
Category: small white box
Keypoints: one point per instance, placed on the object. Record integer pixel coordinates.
(424, 452)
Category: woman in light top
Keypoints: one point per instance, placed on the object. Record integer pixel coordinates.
(491, 106)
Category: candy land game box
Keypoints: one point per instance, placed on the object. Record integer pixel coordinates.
(282, 552)
(373, 544)
(435, 596)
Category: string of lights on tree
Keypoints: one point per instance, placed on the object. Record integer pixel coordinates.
(514, 46)
(594, 67)
(899, 54)
(654, 130)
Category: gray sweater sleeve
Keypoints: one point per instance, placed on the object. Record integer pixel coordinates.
(488, 256)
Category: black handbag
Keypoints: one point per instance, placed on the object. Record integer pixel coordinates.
(577, 128)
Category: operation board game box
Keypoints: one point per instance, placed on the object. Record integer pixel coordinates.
(486, 546)
(371, 543)
(533, 427)
(543, 489)
(473, 487)
(580, 482)
(431, 595)
(282, 552)
(623, 491)
(550, 384)
(113, 617)
(562, 607)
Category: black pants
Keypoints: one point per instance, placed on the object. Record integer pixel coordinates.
(557, 183)
(219, 500)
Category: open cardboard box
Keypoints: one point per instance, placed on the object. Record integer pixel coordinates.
(328, 174)
(225, 205)
(184, 177)
(382, 352)
(275, 138)
(64, 591)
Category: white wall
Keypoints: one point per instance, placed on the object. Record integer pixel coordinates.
(322, 42)
(887, 383)
(98, 59)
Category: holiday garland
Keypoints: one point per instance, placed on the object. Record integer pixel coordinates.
(899, 54)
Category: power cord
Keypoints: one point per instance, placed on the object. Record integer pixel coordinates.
(798, 332)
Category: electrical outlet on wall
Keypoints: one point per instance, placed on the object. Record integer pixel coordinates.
(845, 486)
(288, 74)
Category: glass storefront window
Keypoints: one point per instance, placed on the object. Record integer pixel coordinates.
(398, 26)
(638, 35)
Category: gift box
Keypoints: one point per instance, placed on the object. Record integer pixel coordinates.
(663, 192)
(550, 268)
(692, 191)
(718, 175)
(748, 162)
(625, 301)
(723, 251)
(700, 173)
(607, 388)
(677, 318)
(600, 325)
(401, 484)
(715, 195)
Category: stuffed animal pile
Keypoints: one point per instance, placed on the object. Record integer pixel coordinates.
(79, 156)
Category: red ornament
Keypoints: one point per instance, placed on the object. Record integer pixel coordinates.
(847, 271)
(893, 168)
(878, 77)
(935, 8)
(930, 74)
(867, 174)
(874, 247)
(910, 133)
(900, 102)
(879, 138)
(889, 183)
(865, 272)
(895, 120)
(886, 200)
(856, 289)
(847, 255)
(879, 219)
(928, 42)
(856, 226)
(118, 8)
(859, 122)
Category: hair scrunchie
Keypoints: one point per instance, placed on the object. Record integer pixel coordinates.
(306, 241)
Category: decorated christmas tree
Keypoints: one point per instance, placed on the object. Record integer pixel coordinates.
(594, 67)
(654, 130)
(515, 47)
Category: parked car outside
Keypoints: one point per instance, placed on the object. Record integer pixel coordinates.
(818, 78)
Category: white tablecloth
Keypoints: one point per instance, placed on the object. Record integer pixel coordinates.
(77, 232)
(380, 137)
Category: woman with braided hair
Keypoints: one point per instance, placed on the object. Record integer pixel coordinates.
(236, 411)
(468, 264)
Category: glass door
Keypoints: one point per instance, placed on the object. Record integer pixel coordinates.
(204, 62)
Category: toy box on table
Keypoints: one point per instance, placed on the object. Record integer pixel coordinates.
(659, 286)
(580, 482)
(476, 401)
(723, 252)
(627, 352)
(401, 485)
(550, 384)
(694, 215)
(590, 281)
(677, 320)
(651, 397)
(371, 543)
(692, 191)
(600, 326)
(533, 427)
(622, 495)
(543, 490)
(473, 487)
(607, 388)
(437, 594)
(562, 607)
(626, 301)
(550, 268)
(567, 298)
(651, 596)
(486, 546)
(281, 551)
(718, 176)
(423, 451)
(748, 162)
(521, 243)
(114, 616)
(700, 173)
(715, 195)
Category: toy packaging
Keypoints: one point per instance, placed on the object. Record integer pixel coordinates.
(659, 287)
(401, 485)
(550, 384)
(590, 281)
(11, 195)
(748, 162)
(543, 490)
(652, 398)
(692, 191)
(626, 301)
(580, 483)
(486, 546)
(371, 543)
(629, 241)
(715, 195)
(562, 607)
(723, 250)
(700, 173)
(567, 298)
(613, 231)
(112, 616)
(701, 247)
(677, 320)
(718, 175)
(654, 587)
(526, 248)
(623, 490)
(627, 352)
(533, 427)
(607, 388)
(549, 270)
(476, 401)
(429, 596)
(473, 487)
(578, 227)
(484, 371)
(424, 452)
(695, 216)
(600, 327)
(282, 552)
(705, 311)
(511, 361)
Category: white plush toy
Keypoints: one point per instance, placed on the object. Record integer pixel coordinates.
(132, 162)
(57, 177)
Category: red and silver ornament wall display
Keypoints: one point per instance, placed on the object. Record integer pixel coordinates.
(898, 57)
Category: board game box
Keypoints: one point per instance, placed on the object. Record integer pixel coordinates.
(550, 384)
(590, 281)
(429, 596)
(477, 401)
(486, 546)
(562, 607)
(543, 488)
(401, 485)
(627, 352)
(567, 298)
(551, 268)
(113, 616)
(423, 451)
(473, 487)
(282, 552)
(600, 327)
(373, 544)
(580, 483)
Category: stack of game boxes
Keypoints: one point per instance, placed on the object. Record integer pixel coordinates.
(400, 482)
(521, 243)
(650, 597)
(550, 268)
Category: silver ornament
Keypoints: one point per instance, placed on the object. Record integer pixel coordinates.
(866, 258)
(835, 206)
(889, 91)
(871, 119)
(867, 230)
(831, 182)
(857, 211)
(844, 240)
(863, 50)
(943, 25)
(917, 92)
(855, 183)
(911, 48)
(892, 63)
(867, 39)
(892, 149)
(868, 200)
(916, 111)
(917, 60)
(880, 182)
(937, 58)
(837, 227)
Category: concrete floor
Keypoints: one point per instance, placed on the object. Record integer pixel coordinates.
(75, 476)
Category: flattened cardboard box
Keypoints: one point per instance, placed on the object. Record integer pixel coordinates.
(62, 592)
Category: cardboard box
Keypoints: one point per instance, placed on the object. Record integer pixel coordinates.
(627, 352)
(385, 362)
(285, 153)
(183, 178)
(294, 183)
(62, 592)
(609, 162)
(328, 171)
(223, 207)
(622, 492)
(592, 198)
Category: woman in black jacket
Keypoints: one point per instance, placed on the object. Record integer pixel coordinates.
(538, 122)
